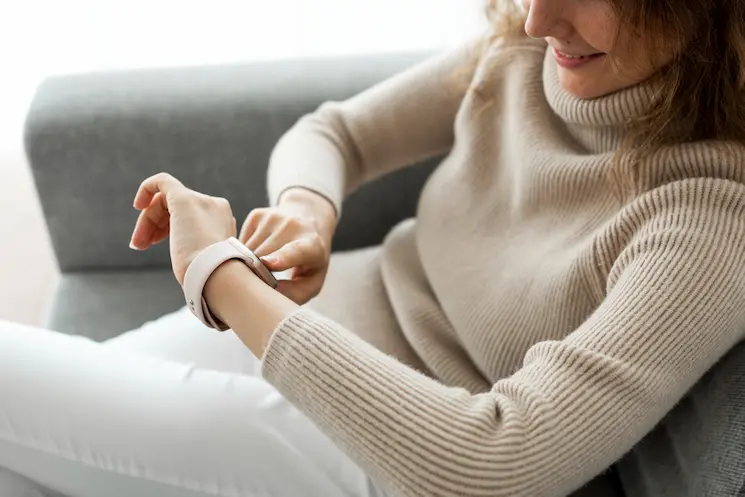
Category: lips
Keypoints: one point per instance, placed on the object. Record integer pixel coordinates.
(577, 57)
(573, 61)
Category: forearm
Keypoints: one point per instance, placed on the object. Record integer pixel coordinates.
(396, 123)
(411, 432)
(245, 303)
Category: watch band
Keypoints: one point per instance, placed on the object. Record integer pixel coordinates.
(202, 267)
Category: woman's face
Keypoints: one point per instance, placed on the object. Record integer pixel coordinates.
(581, 34)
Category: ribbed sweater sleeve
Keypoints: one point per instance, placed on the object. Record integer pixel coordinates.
(398, 122)
(673, 275)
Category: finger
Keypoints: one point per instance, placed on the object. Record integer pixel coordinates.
(262, 232)
(305, 252)
(161, 182)
(275, 241)
(235, 227)
(249, 226)
(160, 234)
(153, 218)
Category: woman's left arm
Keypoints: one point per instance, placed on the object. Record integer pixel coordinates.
(675, 303)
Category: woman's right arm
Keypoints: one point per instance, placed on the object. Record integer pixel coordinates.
(398, 122)
(329, 153)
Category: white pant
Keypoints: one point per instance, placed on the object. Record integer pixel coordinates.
(170, 410)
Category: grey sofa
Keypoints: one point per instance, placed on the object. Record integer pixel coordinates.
(92, 138)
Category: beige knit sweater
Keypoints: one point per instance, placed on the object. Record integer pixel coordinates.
(556, 325)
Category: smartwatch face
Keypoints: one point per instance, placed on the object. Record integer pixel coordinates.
(264, 273)
(257, 266)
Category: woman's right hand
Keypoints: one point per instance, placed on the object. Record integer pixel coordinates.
(294, 235)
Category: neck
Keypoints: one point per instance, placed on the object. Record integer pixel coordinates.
(598, 125)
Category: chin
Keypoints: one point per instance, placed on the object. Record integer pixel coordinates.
(583, 86)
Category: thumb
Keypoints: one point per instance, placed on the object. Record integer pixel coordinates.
(275, 262)
(294, 254)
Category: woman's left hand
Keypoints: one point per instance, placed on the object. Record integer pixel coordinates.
(191, 219)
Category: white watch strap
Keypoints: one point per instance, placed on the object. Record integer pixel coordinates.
(202, 267)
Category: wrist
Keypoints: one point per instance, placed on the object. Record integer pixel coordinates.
(307, 203)
(250, 307)
(217, 289)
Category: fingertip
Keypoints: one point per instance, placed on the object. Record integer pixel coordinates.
(145, 198)
(272, 262)
(139, 202)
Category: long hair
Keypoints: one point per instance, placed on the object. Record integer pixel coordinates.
(701, 91)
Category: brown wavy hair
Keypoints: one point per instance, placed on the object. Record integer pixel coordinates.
(701, 91)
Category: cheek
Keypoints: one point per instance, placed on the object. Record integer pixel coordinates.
(601, 39)
(599, 27)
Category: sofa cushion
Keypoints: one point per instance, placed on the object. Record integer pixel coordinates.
(103, 304)
(698, 450)
(213, 127)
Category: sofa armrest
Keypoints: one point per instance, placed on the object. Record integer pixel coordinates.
(92, 138)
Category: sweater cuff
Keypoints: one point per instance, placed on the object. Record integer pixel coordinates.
(335, 201)
(320, 168)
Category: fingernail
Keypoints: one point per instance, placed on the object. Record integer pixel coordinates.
(132, 246)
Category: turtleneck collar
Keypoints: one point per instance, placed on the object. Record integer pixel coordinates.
(598, 124)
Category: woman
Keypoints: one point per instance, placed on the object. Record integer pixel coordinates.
(575, 267)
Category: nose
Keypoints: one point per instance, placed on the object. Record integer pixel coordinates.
(547, 18)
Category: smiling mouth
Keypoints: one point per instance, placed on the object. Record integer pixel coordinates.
(571, 61)
(576, 57)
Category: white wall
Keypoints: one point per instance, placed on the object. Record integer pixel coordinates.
(43, 37)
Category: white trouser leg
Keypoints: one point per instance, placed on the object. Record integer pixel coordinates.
(118, 419)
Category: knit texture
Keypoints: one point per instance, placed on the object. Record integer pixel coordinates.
(556, 324)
